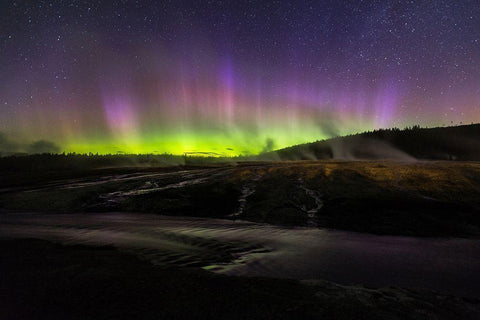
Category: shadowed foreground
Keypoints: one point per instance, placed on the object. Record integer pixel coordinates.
(42, 280)
(382, 197)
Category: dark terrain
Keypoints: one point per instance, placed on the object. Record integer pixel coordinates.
(41, 280)
(45, 280)
(383, 197)
(65, 278)
(441, 143)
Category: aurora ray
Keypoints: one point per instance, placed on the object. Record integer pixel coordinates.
(231, 77)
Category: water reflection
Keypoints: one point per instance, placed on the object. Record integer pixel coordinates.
(246, 248)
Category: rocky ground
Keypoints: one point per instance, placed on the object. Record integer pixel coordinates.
(44, 280)
(383, 197)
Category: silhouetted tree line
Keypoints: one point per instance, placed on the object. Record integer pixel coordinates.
(445, 143)
(85, 161)
(442, 143)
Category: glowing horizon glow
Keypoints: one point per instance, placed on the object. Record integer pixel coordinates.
(201, 77)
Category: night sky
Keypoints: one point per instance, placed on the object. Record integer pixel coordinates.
(230, 77)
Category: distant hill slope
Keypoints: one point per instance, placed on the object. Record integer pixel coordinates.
(442, 143)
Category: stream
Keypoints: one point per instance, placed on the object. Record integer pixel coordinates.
(244, 248)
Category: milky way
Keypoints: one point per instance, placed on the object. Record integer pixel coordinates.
(231, 77)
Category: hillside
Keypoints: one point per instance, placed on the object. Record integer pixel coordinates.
(442, 143)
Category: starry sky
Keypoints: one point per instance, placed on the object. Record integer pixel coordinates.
(230, 77)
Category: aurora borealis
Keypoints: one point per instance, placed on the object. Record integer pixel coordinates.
(231, 77)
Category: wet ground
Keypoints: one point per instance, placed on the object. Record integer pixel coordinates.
(418, 199)
(411, 225)
(253, 249)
